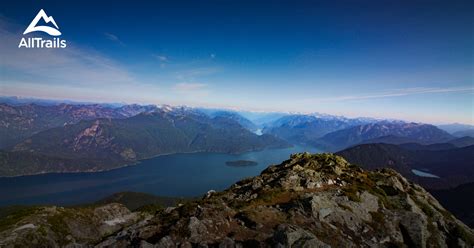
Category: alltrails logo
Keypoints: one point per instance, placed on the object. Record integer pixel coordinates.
(38, 42)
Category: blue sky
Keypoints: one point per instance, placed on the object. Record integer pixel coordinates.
(410, 60)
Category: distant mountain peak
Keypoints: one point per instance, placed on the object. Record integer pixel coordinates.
(411, 131)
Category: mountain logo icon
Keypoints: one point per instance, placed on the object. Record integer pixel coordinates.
(47, 29)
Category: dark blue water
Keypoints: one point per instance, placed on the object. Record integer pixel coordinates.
(181, 175)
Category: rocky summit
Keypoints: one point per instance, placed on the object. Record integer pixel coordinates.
(310, 200)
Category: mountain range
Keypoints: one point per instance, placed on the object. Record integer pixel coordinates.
(304, 129)
(464, 133)
(334, 133)
(70, 138)
(451, 166)
(457, 129)
(244, 122)
(21, 121)
(397, 131)
(60, 137)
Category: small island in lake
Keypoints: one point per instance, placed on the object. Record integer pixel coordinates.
(241, 163)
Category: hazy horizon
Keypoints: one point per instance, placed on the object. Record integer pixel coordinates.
(236, 109)
(412, 61)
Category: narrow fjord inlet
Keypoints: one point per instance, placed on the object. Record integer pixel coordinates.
(237, 124)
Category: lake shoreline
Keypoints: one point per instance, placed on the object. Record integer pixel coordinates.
(136, 163)
(173, 175)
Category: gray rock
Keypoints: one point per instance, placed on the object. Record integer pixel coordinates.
(227, 243)
(292, 236)
(196, 229)
(144, 244)
(307, 201)
(166, 242)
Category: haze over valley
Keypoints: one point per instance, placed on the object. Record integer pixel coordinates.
(237, 124)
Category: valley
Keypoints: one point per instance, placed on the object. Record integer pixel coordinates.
(237, 124)
(174, 175)
(74, 155)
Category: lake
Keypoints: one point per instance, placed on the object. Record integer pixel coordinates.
(423, 174)
(178, 175)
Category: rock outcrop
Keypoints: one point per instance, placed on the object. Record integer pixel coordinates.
(65, 227)
(307, 201)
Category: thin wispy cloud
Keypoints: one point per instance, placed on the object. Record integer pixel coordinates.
(192, 91)
(80, 74)
(394, 93)
(114, 38)
(161, 58)
(185, 87)
(192, 74)
(197, 77)
(74, 66)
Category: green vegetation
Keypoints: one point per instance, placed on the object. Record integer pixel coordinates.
(377, 218)
(150, 208)
(13, 214)
(25, 163)
(427, 209)
(388, 196)
(93, 144)
(57, 223)
(136, 200)
(271, 197)
(460, 232)
(389, 190)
